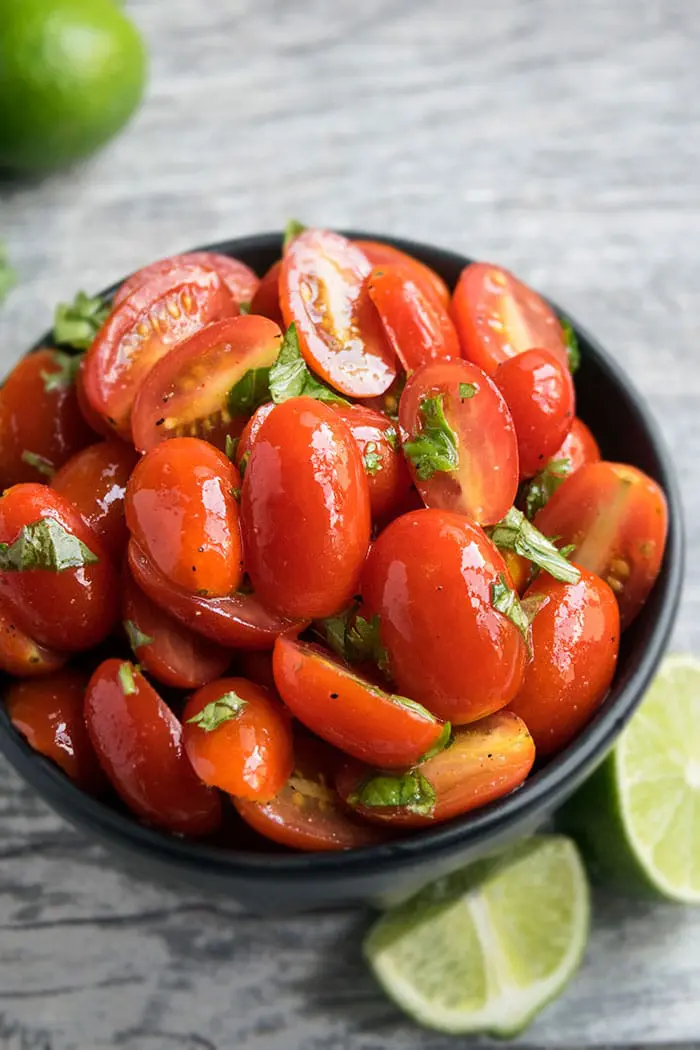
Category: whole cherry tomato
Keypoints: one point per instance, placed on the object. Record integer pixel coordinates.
(138, 741)
(578, 447)
(430, 283)
(250, 432)
(266, 301)
(55, 576)
(322, 291)
(485, 761)
(438, 585)
(388, 477)
(48, 712)
(94, 481)
(616, 519)
(238, 738)
(575, 641)
(462, 448)
(240, 279)
(20, 655)
(497, 316)
(305, 510)
(417, 325)
(182, 511)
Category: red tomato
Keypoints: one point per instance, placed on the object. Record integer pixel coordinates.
(144, 328)
(72, 608)
(266, 301)
(322, 291)
(484, 762)
(351, 712)
(250, 432)
(417, 325)
(256, 666)
(20, 655)
(431, 576)
(305, 510)
(497, 316)
(91, 417)
(539, 392)
(240, 279)
(182, 511)
(575, 640)
(616, 518)
(468, 461)
(48, 712)
(166, 648)
(94, 481)
(238, 738)
(41, 425)
(138, 741)
(187, 392)
(520, 569)
(430, 283)
(579, 447)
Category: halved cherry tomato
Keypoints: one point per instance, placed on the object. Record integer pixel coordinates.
(616, 518)
(307, 814)
(250, 432)
(579, 447)
(485, 761)
(432, 577)
(417, 325)
(462, 448)
(187, 392)
(351, 712)
(305, 510)
(266, 301)
(166, 648)
(323, 291)
(94, 481)
(387, 474)
(256, 666)
(49, 714)
(497, 316)
(240, 279)
(70, 608)
(20, 655)
(143, 328)
(238, 738)
(431, 284)
(575, 641)
(95, 421)
(520, 569)
(41, 425)
(138, 741)
(182, 511)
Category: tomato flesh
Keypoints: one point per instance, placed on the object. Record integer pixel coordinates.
(20, 655)
(431, 284)
(417, 326)
(239, 278)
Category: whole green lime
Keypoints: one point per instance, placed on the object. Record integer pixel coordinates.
(72, 72)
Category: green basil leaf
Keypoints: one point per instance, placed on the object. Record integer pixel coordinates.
(228, 706)
(372, 459)
(392, 437)
(291, 230)
(40, 463)
(137, 639)
(466, 391)
(251, 391)
(572, 347)
(434, 448)
(411, 791)
(244, 308)
(505, 600)
(126, 679)
(516, 533)
(45, 544)
(64, 376)
(535, 493)
(364, 642)
(230, 446)
(291, 377)
(76, 324)
(441, 744)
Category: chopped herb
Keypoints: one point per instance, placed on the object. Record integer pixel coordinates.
(466, 391)
(393, 396)
(372, 459)
(567, 551)
(230, 446)
(236, 493)
(137, 639)
(40, 463)
(505, 600)
(334, 629)
(356, 639)
(291, 230)
(532, 605)
(76, 324)
(126, 679)
(244, 462)
(244, 308)
(410, 791)
(251, 391)
(572, 347)
(230, 705)
(536, 492)
(392, 437)
(45, 544)
(7, 274)
(434, 448)
(291, 377)
(64, 376)
(516, 533)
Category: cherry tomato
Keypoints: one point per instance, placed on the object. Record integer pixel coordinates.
(182, 511)
(616, 518)
(20, 655)
(70, 608)
(351, 712)
(417, 325)
(48, 712)
(240, 279)
(41, 425)
(305, 510)
(485, 761)
(256, 666)
(166, 648)
(138, 741)
(250, 432)
(238, 738)
(94, 481)
(431, 576)
(575, 641)
(497, 316)
(266, 301)
(579, 447)
(430, 283)
(539, 392)
(142, 329)
(322, 291)
(462, 448)
(308, 814)
(91, 417)
(187, 392)
(519, 568)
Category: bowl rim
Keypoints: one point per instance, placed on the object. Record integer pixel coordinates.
(92, 815)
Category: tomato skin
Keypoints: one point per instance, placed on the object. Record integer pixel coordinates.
(20, 655)
(484, 484)
(94, 481)
(579, 447)
(388, 477)
(48, 424)
(417, 326)
(617, 520)
(70, 610)
(429, 577)
(575, 641)
(181, 511)
(497, 317)
(49, 714)
(266, 301)
(430, 283)
(305, 511)
(239, 278)
(250, 756)
(539, 392)
(323, 291)
(95, 421)
(256, 666)
(485, 761)
(251, 430)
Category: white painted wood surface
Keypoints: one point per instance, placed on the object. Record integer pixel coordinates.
(560, 138)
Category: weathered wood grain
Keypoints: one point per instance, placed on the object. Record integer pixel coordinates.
(562, 139)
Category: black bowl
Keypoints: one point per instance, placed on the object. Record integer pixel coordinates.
(274, 881)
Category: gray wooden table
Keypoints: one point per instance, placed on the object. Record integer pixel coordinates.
(560, 138)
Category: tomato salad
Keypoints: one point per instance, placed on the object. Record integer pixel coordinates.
(328, 543)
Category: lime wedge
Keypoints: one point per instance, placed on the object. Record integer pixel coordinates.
(485, 949)
(637, 819)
